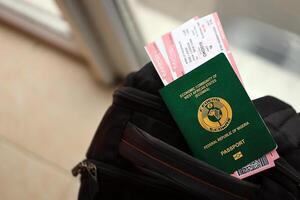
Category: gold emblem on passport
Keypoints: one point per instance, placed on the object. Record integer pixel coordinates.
(237, 155)
(214, 114)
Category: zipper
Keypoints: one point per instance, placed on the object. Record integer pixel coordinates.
(148, 144)
(150, 100)
(86, 166)
(92, 166)
(156, 103)
(166, 152)
(139, 101)
(288, 171)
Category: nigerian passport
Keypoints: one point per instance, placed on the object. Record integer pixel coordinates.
(216, 116)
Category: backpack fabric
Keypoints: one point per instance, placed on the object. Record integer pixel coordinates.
(138, 152)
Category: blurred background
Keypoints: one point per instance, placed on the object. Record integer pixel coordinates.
(61, 60)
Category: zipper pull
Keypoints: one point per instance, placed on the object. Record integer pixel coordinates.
(86, 166)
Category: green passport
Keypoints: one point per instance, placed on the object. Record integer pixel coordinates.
(216, 116)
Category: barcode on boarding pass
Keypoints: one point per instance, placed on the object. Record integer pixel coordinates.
(253, 165)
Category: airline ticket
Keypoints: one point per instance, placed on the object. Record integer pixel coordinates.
(186, 48)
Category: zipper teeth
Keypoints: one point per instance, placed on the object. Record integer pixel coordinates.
(143, 101)
(182, 172)
(165, 152)
(109, 172)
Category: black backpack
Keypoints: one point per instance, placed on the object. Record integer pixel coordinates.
(139, 153)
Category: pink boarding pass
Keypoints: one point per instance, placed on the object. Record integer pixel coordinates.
(159, 58)
(159, 63)
(168, 41)
(256, 166)
(196, 42)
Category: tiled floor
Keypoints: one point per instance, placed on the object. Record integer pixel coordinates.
(49, 109)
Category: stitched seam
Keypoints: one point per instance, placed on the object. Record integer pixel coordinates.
(180, 171)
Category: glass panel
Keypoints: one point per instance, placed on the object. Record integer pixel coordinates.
(43, 12)
(42, 19)
(264, 37)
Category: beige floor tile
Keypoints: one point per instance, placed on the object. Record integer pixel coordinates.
(24, 176)
(50, 103)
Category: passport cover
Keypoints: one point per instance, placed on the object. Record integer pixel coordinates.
(216, 116)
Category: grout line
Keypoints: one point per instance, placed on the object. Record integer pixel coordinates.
(35, 156)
